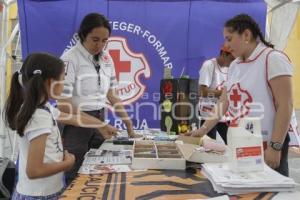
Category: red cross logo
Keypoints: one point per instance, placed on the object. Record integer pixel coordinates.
(129, 67)
(235, 97)
(120, 66)
(239, 103)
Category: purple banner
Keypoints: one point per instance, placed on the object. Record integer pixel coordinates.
(147, 36)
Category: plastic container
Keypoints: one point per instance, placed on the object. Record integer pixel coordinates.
(245, 146)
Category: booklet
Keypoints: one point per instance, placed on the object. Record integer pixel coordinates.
(107, 157)
(104, 169)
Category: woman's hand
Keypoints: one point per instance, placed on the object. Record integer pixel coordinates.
(108, 131)
(130, 131)
(272, 157)
(198, 133)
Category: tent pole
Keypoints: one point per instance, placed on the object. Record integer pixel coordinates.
(3, 59)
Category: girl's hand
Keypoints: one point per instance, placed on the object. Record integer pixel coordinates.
(69, 159)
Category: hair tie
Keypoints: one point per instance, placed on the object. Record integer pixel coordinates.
(20, 78)
(37, 71)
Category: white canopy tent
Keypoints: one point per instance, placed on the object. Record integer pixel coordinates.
(5, 41)
(284, 13)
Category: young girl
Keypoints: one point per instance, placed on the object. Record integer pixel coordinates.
(41, 157)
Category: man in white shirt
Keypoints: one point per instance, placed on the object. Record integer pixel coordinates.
(212, 76)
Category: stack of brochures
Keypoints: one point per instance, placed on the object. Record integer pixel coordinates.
(226, 181)
(97, 161)
(108, 157)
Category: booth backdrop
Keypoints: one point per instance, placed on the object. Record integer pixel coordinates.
(147, 36)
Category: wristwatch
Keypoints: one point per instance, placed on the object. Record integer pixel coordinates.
(276, 146)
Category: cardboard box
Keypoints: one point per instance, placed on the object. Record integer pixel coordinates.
(169, 155)
(192, 153)
(190, 147)
(189, 139)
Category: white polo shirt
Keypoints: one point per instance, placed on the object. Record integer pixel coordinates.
(81, 80)
(41, 123)
(213, 76)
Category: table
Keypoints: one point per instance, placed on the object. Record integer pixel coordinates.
(151, 184)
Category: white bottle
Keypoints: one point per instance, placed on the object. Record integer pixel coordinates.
(245, 147)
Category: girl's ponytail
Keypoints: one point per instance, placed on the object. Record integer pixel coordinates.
(261, 37)
(242, 22)
(28, 89)
(14, 101)
(36, 95)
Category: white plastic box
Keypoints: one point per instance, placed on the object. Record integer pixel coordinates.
(246, 152)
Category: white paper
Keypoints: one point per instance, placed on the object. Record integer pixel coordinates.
(104, 169)
(226, 181)
(107, 157)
